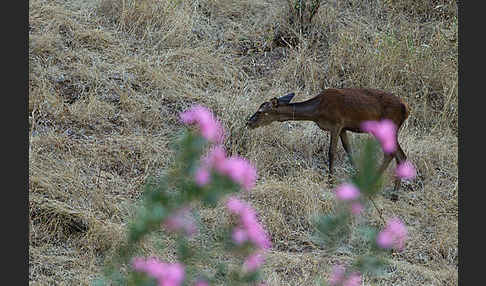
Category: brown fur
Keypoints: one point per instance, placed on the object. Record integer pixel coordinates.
(350, 107)
(338, 111)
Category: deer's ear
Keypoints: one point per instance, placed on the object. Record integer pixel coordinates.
(286, 98)
(274, 102)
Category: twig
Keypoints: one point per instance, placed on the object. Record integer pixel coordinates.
(314, 10)
(301, 17)
(378, 210)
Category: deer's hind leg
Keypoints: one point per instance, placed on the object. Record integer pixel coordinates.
(387, 158)
(344, 140)
(399, 158)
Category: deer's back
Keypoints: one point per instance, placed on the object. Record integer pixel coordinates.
(351, 106)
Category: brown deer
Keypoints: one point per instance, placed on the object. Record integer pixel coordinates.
(338, 111)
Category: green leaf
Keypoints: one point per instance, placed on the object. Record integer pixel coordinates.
(185, 251)
(368, 179)
(251, 277)
(370, 264)
(332, 229)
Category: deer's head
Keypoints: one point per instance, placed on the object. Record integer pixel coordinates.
(268, 111)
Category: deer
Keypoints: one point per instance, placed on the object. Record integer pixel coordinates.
(338, 111)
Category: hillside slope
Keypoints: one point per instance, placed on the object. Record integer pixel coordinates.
(108, 78)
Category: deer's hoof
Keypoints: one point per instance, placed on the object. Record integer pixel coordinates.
(331, 180)
(391, 194)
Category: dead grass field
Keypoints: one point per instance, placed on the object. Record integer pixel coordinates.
(108, 78)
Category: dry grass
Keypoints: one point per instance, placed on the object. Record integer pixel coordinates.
(107, 79)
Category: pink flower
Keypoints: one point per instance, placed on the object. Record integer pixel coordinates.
(202, 176)
(347, 192)
(201, 283)
(209, 126)
(393, 236)
(406, 170)
(337, 275)
(384, 131)
(215, 158)
(234, 205)
(240, 171)
(165, 273)
(354, 279)
(181, 221)
(236, 168)
(257, 234)
(152, 266)
(253, 262)
(249, 223)
(174, 275)
(239, 235)
(253, 228)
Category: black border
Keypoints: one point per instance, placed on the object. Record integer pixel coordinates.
(470, 193)
(15, 91)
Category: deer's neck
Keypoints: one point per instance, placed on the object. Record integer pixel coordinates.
(306, 110)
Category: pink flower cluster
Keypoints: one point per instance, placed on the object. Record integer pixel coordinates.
(406, 170)
(201, 283)
(350, 193)
(249, 229)
(238, 169)
(209, 126)
(181, 221)
(166, 274)
(235, 167)
(339, 277)
(393, 236)
(253, 261)
(384, 131)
